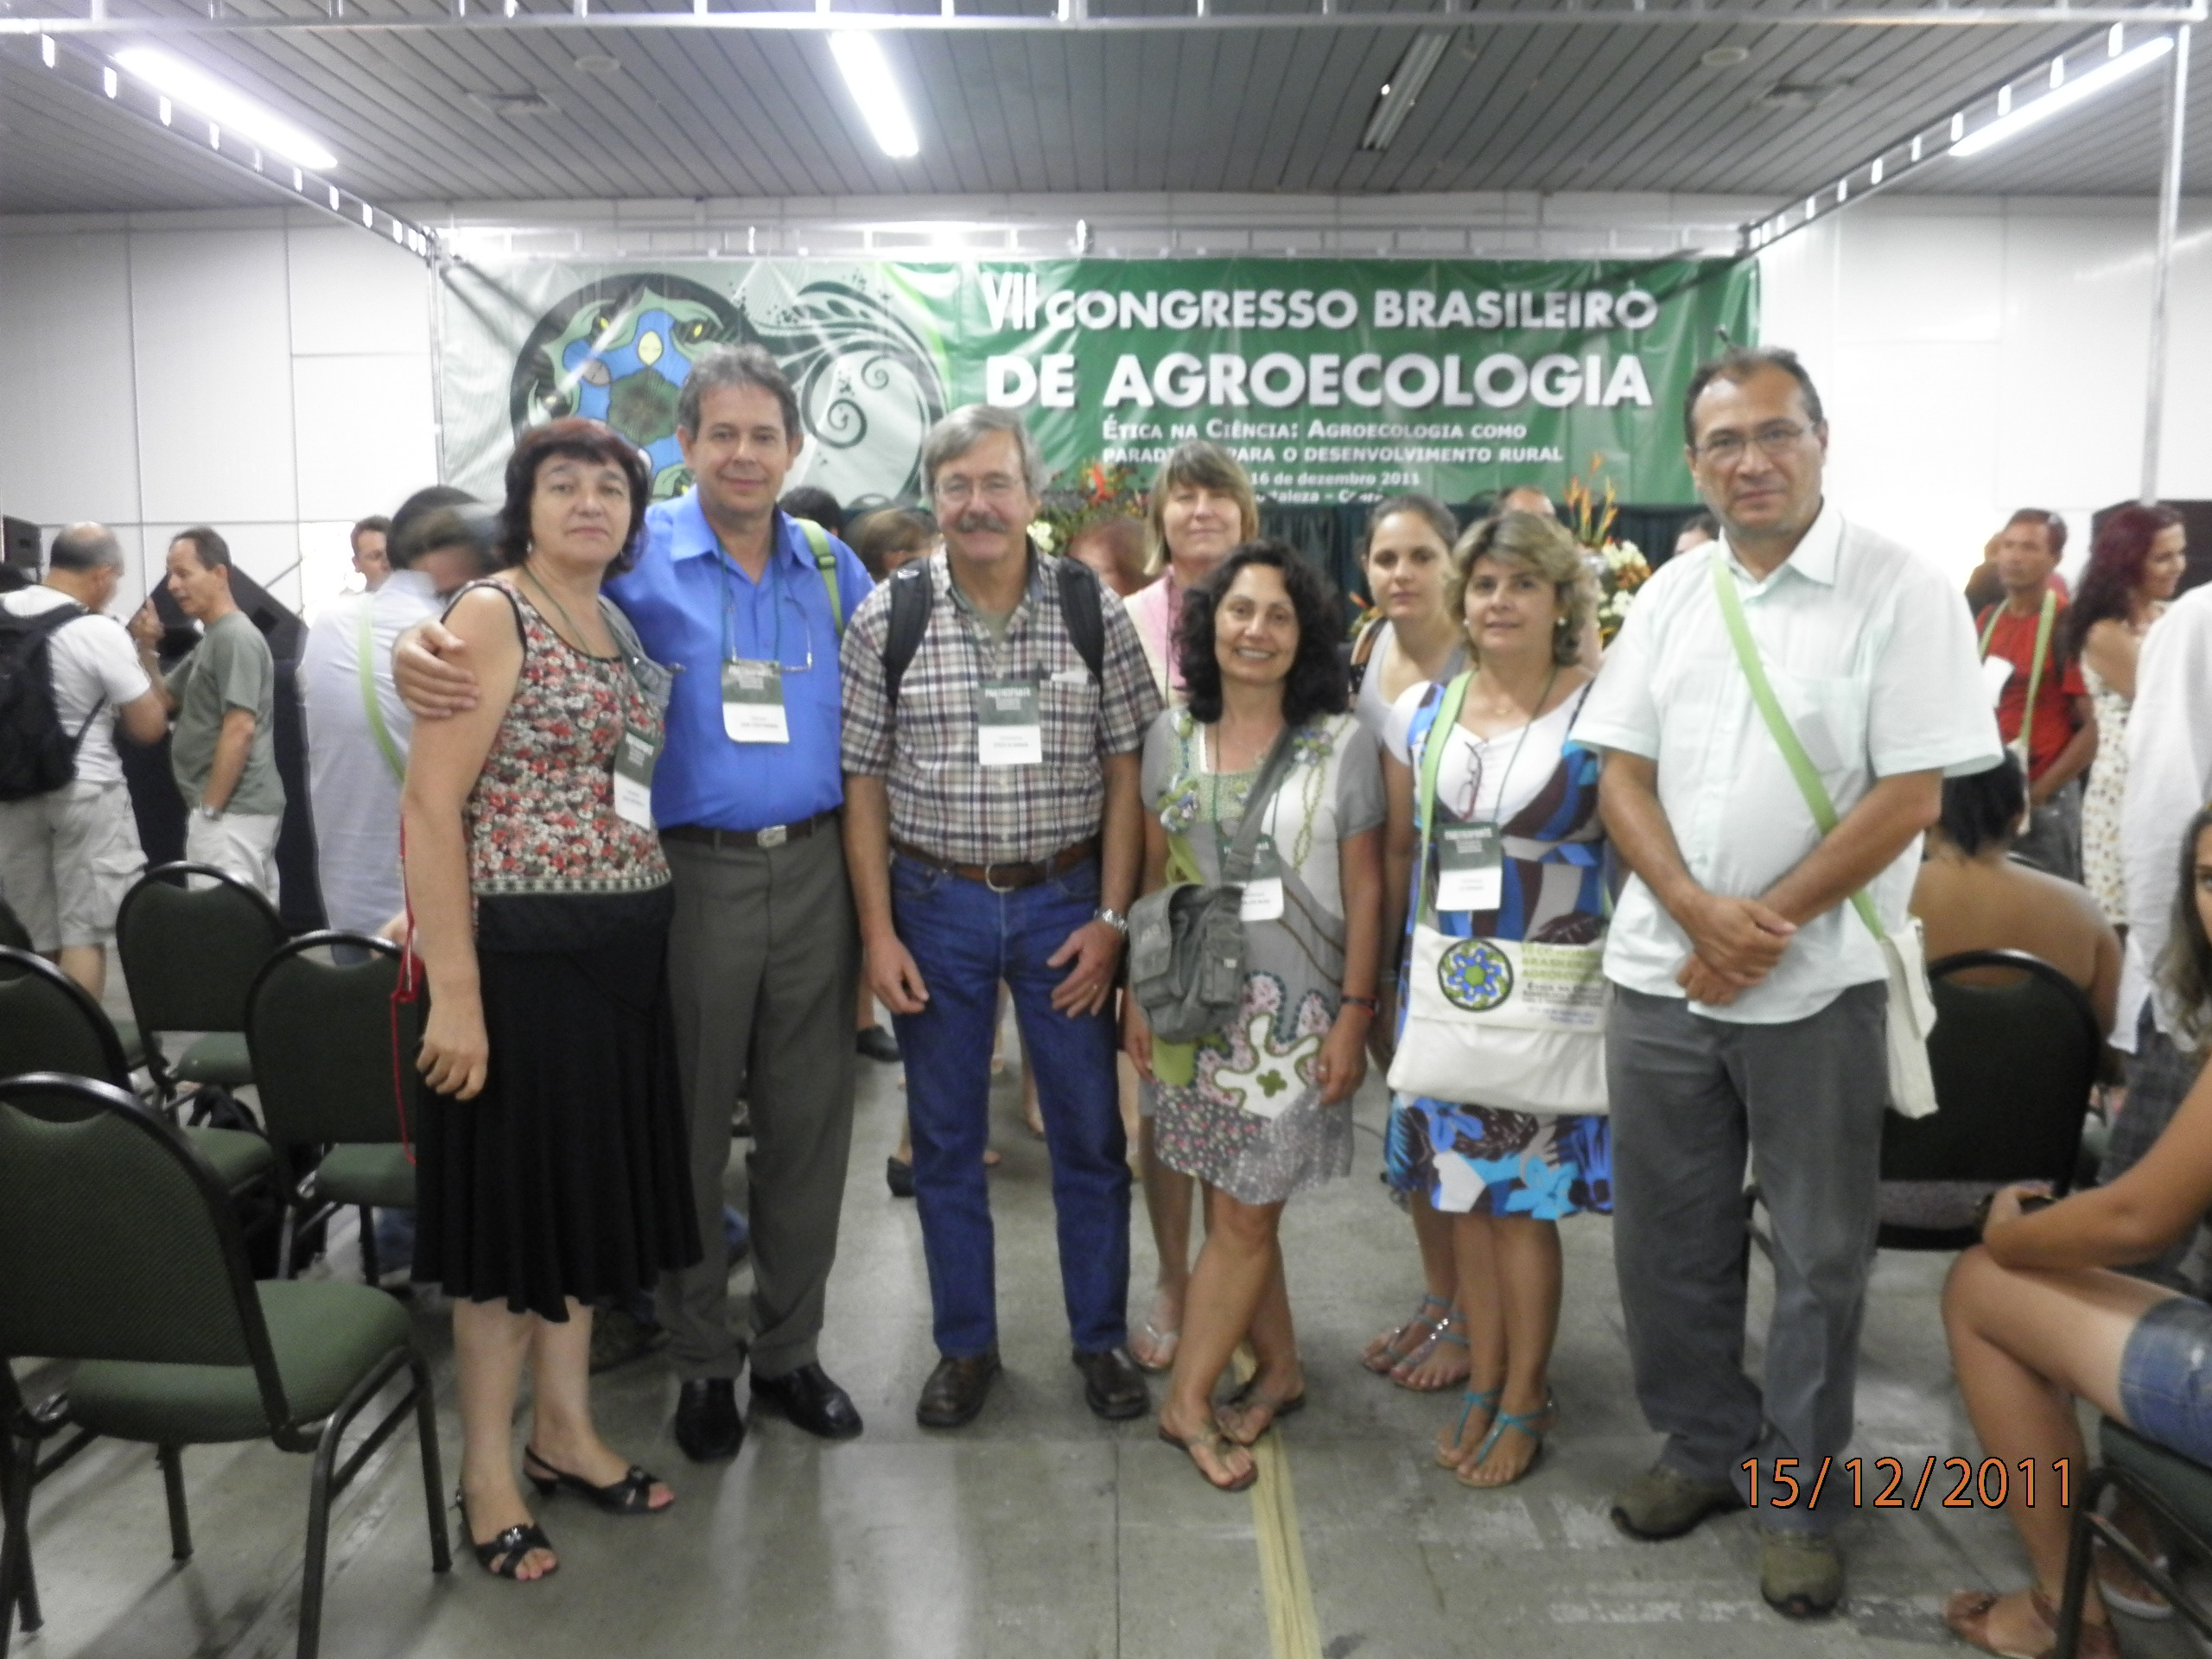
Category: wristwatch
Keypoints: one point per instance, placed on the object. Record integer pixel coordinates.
(1113, 918)
(210, 813)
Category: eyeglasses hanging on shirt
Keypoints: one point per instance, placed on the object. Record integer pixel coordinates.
(752, 687)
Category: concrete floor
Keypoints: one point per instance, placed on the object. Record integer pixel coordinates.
(1040, 1532)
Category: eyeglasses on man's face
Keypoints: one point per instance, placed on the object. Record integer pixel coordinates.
(1774, 440)
(957, 490)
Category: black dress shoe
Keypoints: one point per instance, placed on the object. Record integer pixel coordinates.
(708, 1426)
(1112, 1385)
(877, 1044)
(957, 1390)
(810, 1400)
(898, 1176)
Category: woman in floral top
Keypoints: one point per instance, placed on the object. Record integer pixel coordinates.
(1263, 1110)
(552, 1172)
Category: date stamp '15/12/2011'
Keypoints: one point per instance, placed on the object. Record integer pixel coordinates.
(1889, 1483)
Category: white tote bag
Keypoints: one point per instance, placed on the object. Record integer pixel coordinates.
(1496, 1022)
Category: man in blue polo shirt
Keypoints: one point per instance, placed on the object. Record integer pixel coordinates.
(749, 605)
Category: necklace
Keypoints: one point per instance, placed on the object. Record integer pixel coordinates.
(582, 639)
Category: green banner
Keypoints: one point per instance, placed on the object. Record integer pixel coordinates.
(1332, 380)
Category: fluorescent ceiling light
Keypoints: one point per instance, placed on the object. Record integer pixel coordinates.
(875, 90)
(223, 105)
(2064, 98)
(1396, 101)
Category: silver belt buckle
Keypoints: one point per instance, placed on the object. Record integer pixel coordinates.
(989, 883)
(775, 835)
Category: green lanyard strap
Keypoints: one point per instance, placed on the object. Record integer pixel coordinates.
(2035, 663)
(366, 639)
(1815, 793)
(1431, 758)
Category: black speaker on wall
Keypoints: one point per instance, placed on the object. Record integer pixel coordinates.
(19, 559)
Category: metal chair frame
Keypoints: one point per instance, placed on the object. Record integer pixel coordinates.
(2090, 1528)
(301, 1212)
(330, 1476)
(157, 1065)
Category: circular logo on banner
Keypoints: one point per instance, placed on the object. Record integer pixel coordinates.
(1475, 975)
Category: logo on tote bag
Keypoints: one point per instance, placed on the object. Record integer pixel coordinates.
(1475, 975)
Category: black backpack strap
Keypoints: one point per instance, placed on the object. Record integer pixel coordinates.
(1084, 613)
(909, 621)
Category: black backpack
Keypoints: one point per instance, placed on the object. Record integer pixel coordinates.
(37, 754)
(910, 619)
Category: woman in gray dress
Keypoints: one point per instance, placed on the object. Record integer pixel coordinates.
(1263, 1110)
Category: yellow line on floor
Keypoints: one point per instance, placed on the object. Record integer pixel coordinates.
(1294, 1631)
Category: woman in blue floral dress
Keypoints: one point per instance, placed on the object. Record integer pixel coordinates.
(1507, 1178)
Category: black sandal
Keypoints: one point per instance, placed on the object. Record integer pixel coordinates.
(509, 1549)
(632, 1495)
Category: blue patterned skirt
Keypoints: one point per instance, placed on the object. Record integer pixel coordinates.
(1483, 1160)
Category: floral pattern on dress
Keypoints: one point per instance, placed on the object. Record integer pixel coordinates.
(542, 819)
(1483, 1159)
(2103, 872)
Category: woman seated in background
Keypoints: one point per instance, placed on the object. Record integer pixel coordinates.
(2038, 1318)
(1412, 638)
(552, 1174)
(1263, 1109)
(1971, 896)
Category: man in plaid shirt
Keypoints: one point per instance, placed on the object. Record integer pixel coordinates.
(993, 830)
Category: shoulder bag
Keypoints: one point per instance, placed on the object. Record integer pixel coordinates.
(1502, 1023)
(1186, 941)
(1912, 1009)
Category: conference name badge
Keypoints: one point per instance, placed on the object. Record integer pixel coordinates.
(635, 756)
(1008, 733)
(1471, 866)
(1262, 899)
(752, 703)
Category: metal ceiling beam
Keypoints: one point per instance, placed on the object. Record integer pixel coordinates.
(1076, 16)
(89, 73)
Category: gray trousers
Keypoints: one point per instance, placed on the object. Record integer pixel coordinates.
(763, 965)
(1690, 1096)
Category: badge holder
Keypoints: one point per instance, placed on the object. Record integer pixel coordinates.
(752, 703)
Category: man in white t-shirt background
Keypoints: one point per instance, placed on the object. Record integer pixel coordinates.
(66, 856)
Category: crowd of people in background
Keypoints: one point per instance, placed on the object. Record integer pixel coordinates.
(670, 797)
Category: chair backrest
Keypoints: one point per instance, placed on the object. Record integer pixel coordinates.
(2014, 1056)
(190, 956)
(13, 934)
(116, 1238)
(321, 1037)
(48, 1023)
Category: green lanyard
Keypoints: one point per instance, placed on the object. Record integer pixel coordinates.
(2035, 663)
(1818, 801)
(366, 640)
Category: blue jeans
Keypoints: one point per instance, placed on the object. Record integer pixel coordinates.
(965, 938)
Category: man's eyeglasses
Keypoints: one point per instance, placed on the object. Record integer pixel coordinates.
(1775, 438)
(956, 491)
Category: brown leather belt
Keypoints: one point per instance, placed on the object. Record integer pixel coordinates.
(774, 836)
(1004, 878)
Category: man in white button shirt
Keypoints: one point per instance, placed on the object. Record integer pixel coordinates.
(66, 856)
(1750, 999)
(358, 732)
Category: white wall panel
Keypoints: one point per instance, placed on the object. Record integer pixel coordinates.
(1904, 275)
(211, 310)
(65, 399)
(352, 294)
(367, 434)
(1902, 460)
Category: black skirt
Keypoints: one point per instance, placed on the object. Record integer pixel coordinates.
(568, 1177)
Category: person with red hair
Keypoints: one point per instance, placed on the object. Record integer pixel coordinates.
(2135, 564)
